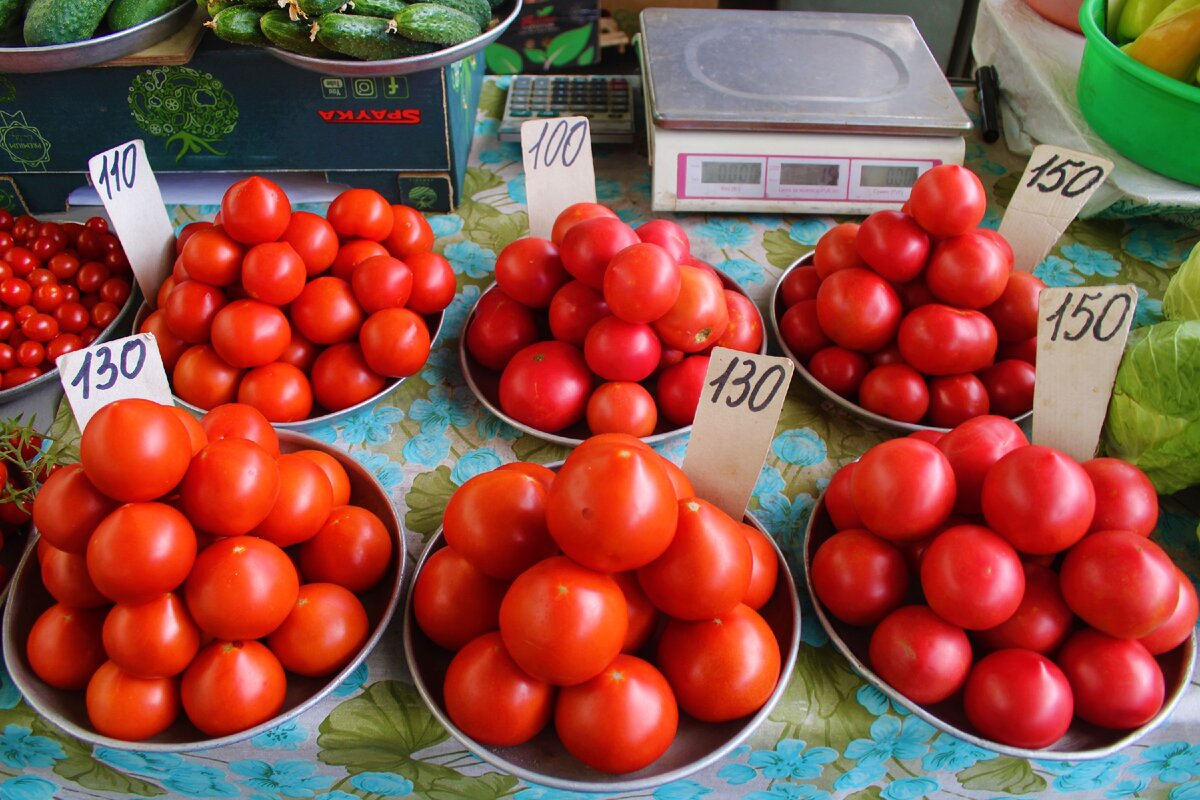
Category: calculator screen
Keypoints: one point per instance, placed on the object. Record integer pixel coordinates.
(731, 172)
(793, 173)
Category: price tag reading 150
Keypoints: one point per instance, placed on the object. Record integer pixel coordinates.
(116, 370)
(557, 154)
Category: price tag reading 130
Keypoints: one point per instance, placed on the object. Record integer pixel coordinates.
(735, 422)
(557, 154)
(115, 370)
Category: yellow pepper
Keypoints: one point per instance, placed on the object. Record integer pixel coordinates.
(1136, 16)
(1171, 44)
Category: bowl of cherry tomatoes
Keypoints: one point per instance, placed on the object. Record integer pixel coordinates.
(606, 693)
(176, 622)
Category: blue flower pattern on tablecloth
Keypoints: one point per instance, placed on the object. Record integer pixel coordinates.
(456, 313)
(790, 791)
(516, 190)
(878, 703)
(371, 426)
(352, 682)
(21, 748)
(199, 780)
(809, 230)
(389, 473)
(951, 754)
(737, 774)
(680, 790)
(791, 758)
(336, 795)
(769, 482)
(1169, 762)
(492, 427)
(1080, 776)
(860, 776)
(1148, 310)
(1127, 788)
(27, 787)
(293, 778)
(536, 792)
(472, 463)
(385, 784)
(1158, 243)
(892, 738)
(470, 259)
(442, 366)
(1055, 271)
(9, 694)
(725, 233)
(444, 408)
(802, 447)
(427, 448)
(1090, 261)
(286, 736)
(911, 789)
(445, 225)
(743, 271)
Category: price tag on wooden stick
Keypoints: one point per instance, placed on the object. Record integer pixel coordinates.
(114, 370)
(558, 168)
(129, 191)
(735, 422)
(1056, 184)
(1081, 336)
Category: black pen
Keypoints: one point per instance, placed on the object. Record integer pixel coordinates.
(987, 83)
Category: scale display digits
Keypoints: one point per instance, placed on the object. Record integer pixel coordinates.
(793, 173)
(742, 172)
(889, 175)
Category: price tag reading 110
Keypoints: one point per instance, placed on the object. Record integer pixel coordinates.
(116, 370)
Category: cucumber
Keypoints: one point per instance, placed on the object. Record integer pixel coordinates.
(367, 38)
(295, 36)
(124, 14)
(478, 10)
(239, 25)
(63, 21)
(11, 10)
(214, 7)
(377, 8)
(315, 8)
(429, 22)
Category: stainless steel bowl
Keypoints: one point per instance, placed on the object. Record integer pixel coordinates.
(29, 599)
(1083, 741)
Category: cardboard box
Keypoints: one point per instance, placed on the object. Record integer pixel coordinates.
(625, 12)
(548, 36)
(240, 109)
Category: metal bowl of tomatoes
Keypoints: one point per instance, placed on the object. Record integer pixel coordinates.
(67, 709)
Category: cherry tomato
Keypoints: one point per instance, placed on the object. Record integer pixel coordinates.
(134, 449)
(921, 655)
(530, 271)
(91, 277)
(589, 245)
(410, 233)
(64, 265)
(1039, 499)
(324, 631)
(381, 282)
(15, 292)
(1020, 698)
(232, 686)
(1116, 683)
(124, 706)
(893, 244)
(497, 522)
(341, 377)
(948, 200)
(1120, 583)
(152, 639)
(395, 342)
(622, 406)
(836, 249)
(326, 311)
(641, 283)
(313, 239)
(361, 213)
(546, 386)
(140, 551)
(453, 602)
(1042, 620)
(903, 489)
(499, 328)
(491, 699)
(433, 282)
(353, 549)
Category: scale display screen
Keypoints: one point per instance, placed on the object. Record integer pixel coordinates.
(731, 172)
(796, 178)
(793, 173)
(875, 175)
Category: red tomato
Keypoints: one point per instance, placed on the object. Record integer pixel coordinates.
(280, 391)
(948, 200)
(972, 448)
(679, 388)
(1125, 498)
(668, 235)
(212, 256)
(699, 315)
(66, 578)
(745, 331)
(563, 623)
(641, 613)
(840, 370)
(574, 309)
(1116, 683)
(327, 312)
(325, 629)
(232, 686)
(1120, 583)
(903, 489)
(140, 551)
(1015, 311)
(302, 505)
(530, 271)
(187, 231)
(334, 471)
(954, 399)
(893, 244)
(801, 330)
(65, 646)
(134, 449)
(453, 602)
(971, 577)
(433, 282)
(361, 213)
(230, 487)
(896, 391)
(1042, 620)
(352, 253)
(623, 407)
(300, 352)
(642, 283)
(921, 655)
(837, 249)
(617, 350)
(1020, 698)
(968, 271)
(619, 721)
(313, 239)
(242, 587)
(838, 502)
(497, 522)
(1024, 350)
(124, 706)
(679, 480)
(588, 246)
(381, 282)
(720, 669)
(858, 310)
(153, 639)
(499, 328)
(543, 474)
(342, 378)
(250, 333)
(353, 549)
(395, 342)
(942, 340)
(170, 346)
(204, 379)
(859, 577)
(491, 699)
(801, 283)
(575, 213)
(764, 567)
(1009, 385)
(1039, 499)
(546, 386)
(410, 233)
(68, 507)
(240, 421)
(1178, 627)
(274, 273)
(190, 309)
(255, 210)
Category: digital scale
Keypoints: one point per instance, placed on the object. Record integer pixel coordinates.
(792, 111)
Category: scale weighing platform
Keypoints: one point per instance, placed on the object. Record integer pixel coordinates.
(792, 111)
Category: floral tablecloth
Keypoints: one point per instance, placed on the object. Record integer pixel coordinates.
(831, 736)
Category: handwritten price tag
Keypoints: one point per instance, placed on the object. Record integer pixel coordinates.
(1056, 184)
(1081, 336)
(558, 168)
(130, 194)
(115, 370)
(735, 422)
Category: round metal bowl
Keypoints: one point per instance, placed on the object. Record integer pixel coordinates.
(432, 321)
(67, 710)
(485, 384)
(777, 310)
(543, 760)
(506, 14)
(98, 49)
(1082, 741)
(10, 558)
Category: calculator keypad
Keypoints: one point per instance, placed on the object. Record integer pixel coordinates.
(606, 100)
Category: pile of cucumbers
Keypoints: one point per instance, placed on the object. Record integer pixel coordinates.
(36, 23)
(369, 30)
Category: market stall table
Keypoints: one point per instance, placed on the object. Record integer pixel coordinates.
(833, 735)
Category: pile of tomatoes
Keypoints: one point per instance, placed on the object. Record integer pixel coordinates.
(1008, 576)
(61, 284)
(917, 315)
(605, 324)
(292, 312)
(606, 596)
(193, 566)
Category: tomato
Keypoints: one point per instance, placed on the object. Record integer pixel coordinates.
(230, 487)
(720, 669)
(50, 296)
(575, 213)
(250, 333)
(152, 639)
(160, 297)
(801, 331)
(954, 399)
(104, 313)
(497, 522)
(574, 309)
(1009, 385)
(745, 330)
(622, 406)
(544, 475)
(612, 507)
(63, 265)
(499, 328)
(546, 386)
(1125, 497)
(353, 549)
(190, 309)
(115, 291)
(837, 249)
(66, 578)
(240, 421)
(1039, 499)
(590, 244)
(68, 507)
(300, 352)
(1020, 698)
(621, 720)
(530, 271)
(361, 213)
(642, 283)
(858, 310)
(433, 282)
(1177, 627)
(65, 647)
(642, 615)
(139, 551)
(1042, 620)
(942, 340)
(352, 253)
(91, 277)
(395, 342)
(242, 587)
(1120, 583)
(972, 448)
(801, 283)
(921, 655)
(948, 200)
(15, 292)
(326, 628)
(302, 505)
(491, 699)
(280, 391)
(30, 354)
(20, 375)
(124, 706)
(679, 388)
(203, 378)
(313, 239)
(896, 391)
(764, 567)
(339, 480)
(840, 370)
(342, 378)
(859, 577)
(410, 232)
(134, 449)
(255, 210)
(453, 602)
(381, 282)
(617, 350)
(968, 270)
(1116, 683)
(563, 623)
(274, 273)
(699, 315)
(232, 686)
(893, 244)
(211, 256)
(326, 311)
(971, 577)
(1015, 311)
(903, 489)
(838, 501)
(1024, 350)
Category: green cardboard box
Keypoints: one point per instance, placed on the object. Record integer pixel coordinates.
(240, 109)
(547, 36)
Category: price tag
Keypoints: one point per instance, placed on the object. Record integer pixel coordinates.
(130, 194)
(115, 370)
(558, 168)
(1081, 336)
(735, 422)
(1056, 184)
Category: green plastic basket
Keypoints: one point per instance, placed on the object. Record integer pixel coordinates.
(1145, 116)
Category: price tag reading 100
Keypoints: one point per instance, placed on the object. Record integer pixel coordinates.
(557, 155)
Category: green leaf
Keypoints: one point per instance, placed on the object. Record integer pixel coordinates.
(502, 60)
(497, 232)
(783, 250)
(427, 500)
(544, 11)
(1004, 188)
(491, 96)
(869, 793)
(587, 57)
(491, 786)
(379, 730)
(535, 55)
(539, 451)
(1004, 774)
(566, 47)
(479, 180)
(80, 767)
(22, 716)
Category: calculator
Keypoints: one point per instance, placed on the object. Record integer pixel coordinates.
(606, 100)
